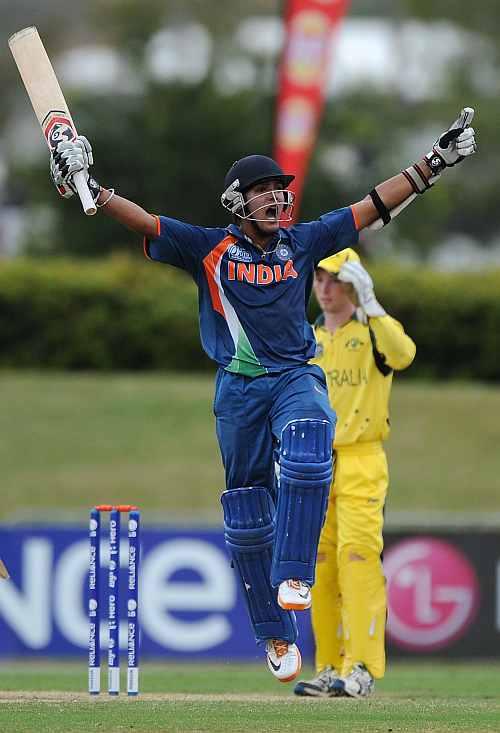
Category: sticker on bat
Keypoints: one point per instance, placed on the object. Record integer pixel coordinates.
(58, 127)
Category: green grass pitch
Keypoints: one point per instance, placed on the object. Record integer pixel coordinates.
(72, 440)
(422, 697)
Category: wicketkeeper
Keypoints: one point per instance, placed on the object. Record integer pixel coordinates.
(359, 348)
(254, 279)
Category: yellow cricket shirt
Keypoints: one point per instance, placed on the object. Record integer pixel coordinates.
(358, 362)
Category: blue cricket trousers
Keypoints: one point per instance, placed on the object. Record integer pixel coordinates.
(251, 412)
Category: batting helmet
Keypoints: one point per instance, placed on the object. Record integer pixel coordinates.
(246, 172)
(255, 168)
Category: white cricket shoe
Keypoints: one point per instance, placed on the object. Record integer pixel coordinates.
(319, 686)
(283, 659)
(358, 683)
(294, 595)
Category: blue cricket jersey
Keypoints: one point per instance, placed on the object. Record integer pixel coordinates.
(252, 305)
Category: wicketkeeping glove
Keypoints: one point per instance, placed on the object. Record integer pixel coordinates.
(368, 306)
(454, 145)
(68, 158)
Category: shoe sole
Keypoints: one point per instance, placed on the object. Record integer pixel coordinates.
(342, 692)
(355, 696)
(309, 692)
(294, 675)
(294, 606)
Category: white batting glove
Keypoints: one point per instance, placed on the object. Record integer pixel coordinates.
(457, 143)
(68, 158)
(355, 274)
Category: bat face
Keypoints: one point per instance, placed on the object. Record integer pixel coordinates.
(58, 127)
(47, 99)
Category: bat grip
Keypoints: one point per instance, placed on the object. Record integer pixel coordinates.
(88, 203)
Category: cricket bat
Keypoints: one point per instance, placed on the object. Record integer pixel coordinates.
(4, 573)
(47, 99)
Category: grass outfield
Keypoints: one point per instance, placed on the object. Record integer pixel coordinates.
(185, 697)
(71, 440)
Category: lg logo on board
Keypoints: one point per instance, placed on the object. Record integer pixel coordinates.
(433, 593)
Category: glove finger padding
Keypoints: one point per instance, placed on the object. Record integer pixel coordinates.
(466, 142)
(447, 151)
(86, 148)
(64, 187)
(355, 279)
(68, 158)
(355, 274)
(456, 128)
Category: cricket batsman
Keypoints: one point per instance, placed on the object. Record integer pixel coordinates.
(254, 278)
(359, 348)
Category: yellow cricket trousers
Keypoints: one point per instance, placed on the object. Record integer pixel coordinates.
(349, 597)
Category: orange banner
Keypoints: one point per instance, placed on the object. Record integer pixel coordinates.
(309, 28)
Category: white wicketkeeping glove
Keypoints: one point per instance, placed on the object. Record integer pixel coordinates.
(457, 143)
(355, 274)
(68, 158)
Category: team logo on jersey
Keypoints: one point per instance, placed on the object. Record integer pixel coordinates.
(283, 252)
(354, 344)
(319, 351)
(239, 253)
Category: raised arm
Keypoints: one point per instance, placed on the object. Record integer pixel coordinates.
(389, 198)
(128, 213)
(69, 158)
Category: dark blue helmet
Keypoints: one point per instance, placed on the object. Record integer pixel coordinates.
(255, 168)
(246, 172)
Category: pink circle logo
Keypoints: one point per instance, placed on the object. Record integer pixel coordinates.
(432, 593)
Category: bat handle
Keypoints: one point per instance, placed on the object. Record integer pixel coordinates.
(88, 203)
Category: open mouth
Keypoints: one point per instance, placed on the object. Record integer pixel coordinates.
(272, 213)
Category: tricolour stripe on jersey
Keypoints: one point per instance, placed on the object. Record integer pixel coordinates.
(244, 360)
(211, 263)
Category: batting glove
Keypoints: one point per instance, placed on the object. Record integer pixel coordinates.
(457, 143)
(68, 158)
(368, 306)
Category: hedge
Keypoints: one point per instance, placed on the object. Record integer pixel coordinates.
(125, 313)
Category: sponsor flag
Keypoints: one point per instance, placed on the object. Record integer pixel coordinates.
(310, 26)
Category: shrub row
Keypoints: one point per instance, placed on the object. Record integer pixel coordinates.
(123, 313)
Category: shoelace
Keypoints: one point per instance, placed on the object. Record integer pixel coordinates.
(280, 647)
(295, 584)
(359, 674)
(324, 676)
